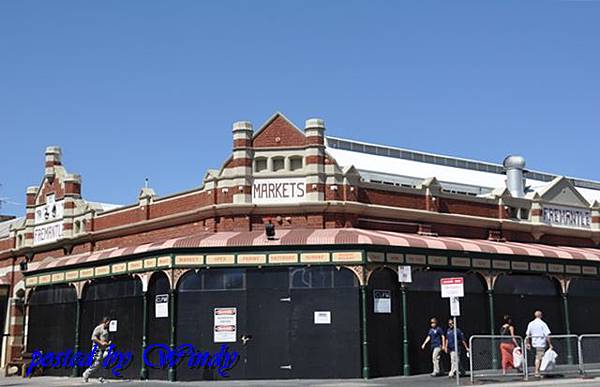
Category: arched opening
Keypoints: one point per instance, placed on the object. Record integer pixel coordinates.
(159, 322)
(291, 322)
(199, 294)
(318, 349)
(51, 326)
(584, 297)
(425, 302)
(520, 295)
(384, 324)
(120, 299)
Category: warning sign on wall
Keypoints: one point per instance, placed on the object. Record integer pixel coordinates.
(382, 301)
(225, 326)
(161, 306)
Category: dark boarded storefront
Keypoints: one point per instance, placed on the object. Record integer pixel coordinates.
(328, 310)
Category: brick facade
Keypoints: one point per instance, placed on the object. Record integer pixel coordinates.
(340, 199)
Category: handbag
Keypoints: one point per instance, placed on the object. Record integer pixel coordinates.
(517, 355)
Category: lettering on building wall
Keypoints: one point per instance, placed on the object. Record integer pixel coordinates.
(564, 216)
(289, 190)
(48, 223)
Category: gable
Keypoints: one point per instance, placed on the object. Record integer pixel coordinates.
(562, 192)
(278, 132)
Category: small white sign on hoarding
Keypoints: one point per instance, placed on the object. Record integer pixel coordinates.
(161, 306)
(323, 317)
(225, 325)
(382, 301)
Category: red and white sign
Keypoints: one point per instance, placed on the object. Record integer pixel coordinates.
(225, 325)
(452, 287)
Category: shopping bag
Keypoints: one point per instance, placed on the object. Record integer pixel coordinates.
(548, 361)
(517, 357)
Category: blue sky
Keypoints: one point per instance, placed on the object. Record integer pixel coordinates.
(135, 89)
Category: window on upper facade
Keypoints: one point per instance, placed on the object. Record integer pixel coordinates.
(295, 163)
(278, 163)
(524, 213)
(260, 164)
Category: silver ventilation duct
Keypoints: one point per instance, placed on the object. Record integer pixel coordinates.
(515, 182)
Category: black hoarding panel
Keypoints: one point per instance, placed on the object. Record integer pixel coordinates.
(325, 324)
(584, 296)
(521, 295)
(267, 352)
(425, 302)
(159, 328)
(199, 295)
(52, 322)
(384, 328)
(119, 299)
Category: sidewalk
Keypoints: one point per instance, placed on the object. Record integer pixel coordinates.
(416, 381)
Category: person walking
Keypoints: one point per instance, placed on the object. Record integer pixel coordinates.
(508, 343)
(99, 339)
(452, 349)
(437, 341)
(538, 335)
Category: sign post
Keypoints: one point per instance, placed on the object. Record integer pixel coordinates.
(453, 288)
(404, 277)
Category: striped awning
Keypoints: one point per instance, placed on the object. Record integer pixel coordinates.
(333, 237)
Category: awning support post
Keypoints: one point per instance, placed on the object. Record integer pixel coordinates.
(172, 305)
(75, 371)
(403, 290)
(144, 369)
(365, 344)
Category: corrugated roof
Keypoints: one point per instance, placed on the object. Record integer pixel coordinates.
(370, 159)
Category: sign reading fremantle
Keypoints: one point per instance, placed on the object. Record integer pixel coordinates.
(565, 216)
(282, 190)
(48, 221)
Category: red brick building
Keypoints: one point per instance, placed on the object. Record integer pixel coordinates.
(346, 214)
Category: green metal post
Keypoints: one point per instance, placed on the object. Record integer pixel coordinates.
(490, 293)
(365, 344)
(75, 371)
(172, 293)
(567, 327)
(405, 331)
(144, 370)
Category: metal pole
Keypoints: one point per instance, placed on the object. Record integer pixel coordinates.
(172, 293)
(144, 370)
(75, 371)
(457, 362)
(490, 293)
(365, 343)
(405, 330)
(568, 328)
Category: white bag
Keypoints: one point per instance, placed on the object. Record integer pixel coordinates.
(517, 355)
(549, 361)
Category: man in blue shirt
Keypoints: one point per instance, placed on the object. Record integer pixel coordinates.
(450, 347)
(436, 337)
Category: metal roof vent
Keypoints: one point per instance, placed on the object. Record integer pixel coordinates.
(515, 182)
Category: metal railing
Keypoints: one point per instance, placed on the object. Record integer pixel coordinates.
(491, 356)
(589, 353)
(576, 355)
(569, 358)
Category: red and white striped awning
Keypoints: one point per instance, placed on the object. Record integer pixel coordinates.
(333, 237)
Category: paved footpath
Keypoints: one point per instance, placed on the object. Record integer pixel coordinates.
(416, 381)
